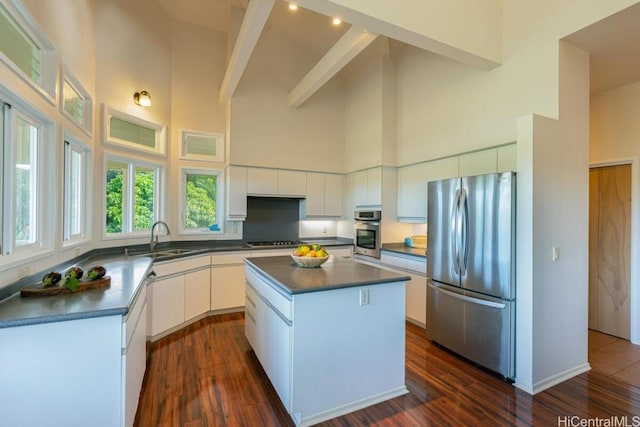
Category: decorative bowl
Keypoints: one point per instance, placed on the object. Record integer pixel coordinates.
(309, 262)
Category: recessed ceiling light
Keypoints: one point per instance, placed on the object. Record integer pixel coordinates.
(293, 6)
(337, 21)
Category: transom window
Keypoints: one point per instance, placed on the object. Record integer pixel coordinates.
(134, 133)
(75, 101)
(25, 49)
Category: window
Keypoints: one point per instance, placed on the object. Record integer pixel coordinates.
(202, 146)
(77, 184)
(26, 183)
(134, 133)
(25, 49)
(132, 191)
(75, 102)
(201, 200)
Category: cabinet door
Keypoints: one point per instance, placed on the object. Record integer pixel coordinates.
(236, 192)
(374, 187)
(360, 188)
(417, 298)
(276, 352)
(227, 287)
(134, 363)
(333, 194)
(168, 304)
(479, 163)
(412, 192)
(315, 202)
(197, 293)
(292, 183)
(508, 158)
(262, 181)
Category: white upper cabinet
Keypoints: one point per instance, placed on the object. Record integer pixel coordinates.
(412, 192)
(324, 195)
(236, 192)
(276, 182)
(368, 187)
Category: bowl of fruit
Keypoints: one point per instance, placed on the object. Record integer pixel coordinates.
(310, 256)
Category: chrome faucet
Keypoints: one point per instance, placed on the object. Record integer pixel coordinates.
(154, 238)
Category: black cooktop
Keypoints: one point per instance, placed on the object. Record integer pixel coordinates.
(275, 243)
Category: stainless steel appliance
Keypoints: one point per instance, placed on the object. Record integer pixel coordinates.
(366, 235)
(275, 244)
(470, 262)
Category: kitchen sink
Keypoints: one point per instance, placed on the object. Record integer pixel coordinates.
(159, 253)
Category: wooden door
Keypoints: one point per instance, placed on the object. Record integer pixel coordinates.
(609, 249)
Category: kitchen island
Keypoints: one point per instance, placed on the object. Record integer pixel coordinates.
(331, 339)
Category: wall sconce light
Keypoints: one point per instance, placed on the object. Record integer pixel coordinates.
(142, 98)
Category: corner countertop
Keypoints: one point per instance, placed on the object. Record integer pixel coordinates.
(127, 278)
(336, 273)
(402, 249)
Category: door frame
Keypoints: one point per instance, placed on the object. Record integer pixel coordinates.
(634, 256)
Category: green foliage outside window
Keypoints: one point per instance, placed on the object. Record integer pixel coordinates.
(144, 186)
(201, 201)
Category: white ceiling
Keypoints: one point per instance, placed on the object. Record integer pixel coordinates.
(614, 42)
(614, 45)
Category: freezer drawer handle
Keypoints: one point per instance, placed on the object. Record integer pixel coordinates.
(467, 298)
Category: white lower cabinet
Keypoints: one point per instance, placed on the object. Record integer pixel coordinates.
(168, 304)
(180, 292)
(85, 372)
(227, 280)
(197, 293)
(416, 268)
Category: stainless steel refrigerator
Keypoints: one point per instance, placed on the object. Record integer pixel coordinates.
(471, 268)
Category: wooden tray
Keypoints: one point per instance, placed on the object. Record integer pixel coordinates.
(84, 285)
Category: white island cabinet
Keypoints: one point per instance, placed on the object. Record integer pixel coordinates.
(330, 339)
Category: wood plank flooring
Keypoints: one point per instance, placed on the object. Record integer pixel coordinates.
(207, 375)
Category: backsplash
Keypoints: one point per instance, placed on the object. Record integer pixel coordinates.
(271, 218)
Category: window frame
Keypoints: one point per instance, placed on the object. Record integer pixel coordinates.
(70, 142)
(128, 203)
(220, 212)
(219, 142)
(45, 182)
(46, 87)
(160, 147)
(67, 76)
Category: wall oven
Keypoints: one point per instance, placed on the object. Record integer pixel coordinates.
(366, 235)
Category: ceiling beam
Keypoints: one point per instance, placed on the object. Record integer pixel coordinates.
(354, 41)
(254, 21)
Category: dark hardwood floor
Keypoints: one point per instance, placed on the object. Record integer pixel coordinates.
(207, 375)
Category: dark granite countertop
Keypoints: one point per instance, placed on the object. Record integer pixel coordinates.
(334, 274)
(127, 277)
(402, 249)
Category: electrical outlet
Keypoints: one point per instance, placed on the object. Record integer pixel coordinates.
(555, 253)
(364, 296)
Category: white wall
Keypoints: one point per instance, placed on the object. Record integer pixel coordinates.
(615, 128)
(265, 131)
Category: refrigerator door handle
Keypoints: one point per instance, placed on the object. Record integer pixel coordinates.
(468, 298)
(455, 227)
(463, 251)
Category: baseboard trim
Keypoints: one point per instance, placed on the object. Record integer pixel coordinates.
(554, 379)
(349, 407)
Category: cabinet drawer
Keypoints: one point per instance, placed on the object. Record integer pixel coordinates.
(131, 319)
(417, 266)
(394, 261)
(172, 267)
(278, 301)
(227, 258)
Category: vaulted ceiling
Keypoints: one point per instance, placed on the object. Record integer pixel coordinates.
(613, 43)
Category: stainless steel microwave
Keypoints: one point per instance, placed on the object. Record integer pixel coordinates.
(366, 235)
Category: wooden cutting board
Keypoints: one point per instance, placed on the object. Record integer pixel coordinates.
(84, 285)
